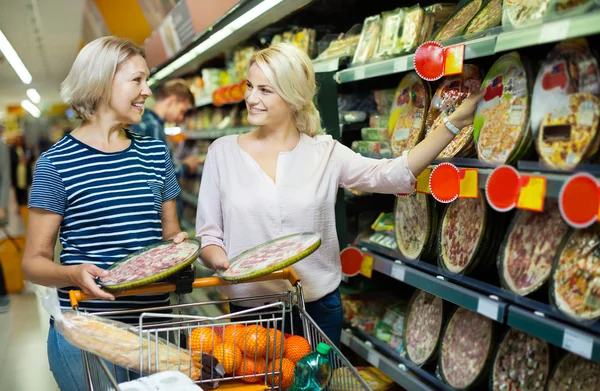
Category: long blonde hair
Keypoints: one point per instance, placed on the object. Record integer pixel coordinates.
(291, 74)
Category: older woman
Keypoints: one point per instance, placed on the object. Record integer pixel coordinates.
(107, 191)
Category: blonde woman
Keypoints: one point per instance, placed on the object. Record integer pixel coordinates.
(107, 192)
(282, 178)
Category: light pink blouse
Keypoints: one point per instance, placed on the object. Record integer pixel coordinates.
(239, 205)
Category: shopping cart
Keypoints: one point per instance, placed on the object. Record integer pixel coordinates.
(284, 311)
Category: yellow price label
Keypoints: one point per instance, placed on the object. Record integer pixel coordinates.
(532, 194)
(469, 183)
(423, 181)
(455, 56)
(366, 268)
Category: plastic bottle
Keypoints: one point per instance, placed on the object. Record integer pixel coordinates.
(313, 371)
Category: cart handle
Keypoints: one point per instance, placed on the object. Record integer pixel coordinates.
(77, 296)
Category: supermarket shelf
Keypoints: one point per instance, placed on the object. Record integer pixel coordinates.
(212, 134)
(557, 333)
(326, 65)
(439, 285)
(396, 371)
(498, 41)
(204, 101)
(189, 198)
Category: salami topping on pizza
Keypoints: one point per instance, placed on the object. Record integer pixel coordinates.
(423, 327)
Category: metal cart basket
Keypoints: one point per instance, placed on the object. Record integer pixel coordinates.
(250, 330)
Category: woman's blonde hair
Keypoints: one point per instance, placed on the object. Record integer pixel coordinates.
(290, 73)
(93, 71)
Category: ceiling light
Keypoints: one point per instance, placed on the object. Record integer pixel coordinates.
(31, 108)
(13, 59)
(34, 96)
(217, 37)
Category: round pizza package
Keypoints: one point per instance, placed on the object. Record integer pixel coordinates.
(457, 22)
(533, 239)
(151, 264)
(574, 372)
(500, 125)
(489, 16)
(462, 234)
(408, 113)
(466, 350)
(453, 90)
(576, 276)
(565, 108)
(522, 362)
(423, 329)
(415, 225)
(519, 13)
(271, 256)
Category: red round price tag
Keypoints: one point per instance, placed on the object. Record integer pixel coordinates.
(444, 183)
(502, 188)
(429, 61)
(578, 200)
(352, 259)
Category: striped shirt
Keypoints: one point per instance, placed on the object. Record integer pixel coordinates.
(111, 205)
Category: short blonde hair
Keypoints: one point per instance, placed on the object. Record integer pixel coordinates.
(93, 71)
(291, 74)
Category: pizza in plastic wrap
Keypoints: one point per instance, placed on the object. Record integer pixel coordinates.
(531, 245)
(457, 22)
(575, 373)
(423, 327)
(488, 17)
(522, 363)
(466, 348)
(412, 224)
(520, 13)
(576, 276)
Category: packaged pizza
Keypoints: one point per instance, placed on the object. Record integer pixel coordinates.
(423, 329)
(375, 134)
(457, 22)
(570, 7)
(441, 12)
(576, 275)
(519, 13)
(522, 362)
(415, 225)
(530, 247)
(462, 234)
(408, 113)
(489, 16)
(466, 350)
(373, 149)
(428, 27)
(452, 91)
(500, 125)
(369, 39)
(391, 32)
(411, 31)
(574, 372)
(565, 108)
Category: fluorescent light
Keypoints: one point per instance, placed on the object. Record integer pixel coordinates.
(13, 59)
(34, 96)
(172, 131)
(33, 110)
(217, 37)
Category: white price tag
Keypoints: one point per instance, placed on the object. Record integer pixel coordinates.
(400, 64)
(487, 307)
(345, 339)
(398, 272)
(373, 358)
(578, 343)
(556, 31)
(359, 74)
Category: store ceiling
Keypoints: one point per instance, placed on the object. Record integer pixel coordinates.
(58, 24)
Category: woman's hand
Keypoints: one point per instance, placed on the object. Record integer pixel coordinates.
(180, 237)
(83, 277)
(463, 115)
(214, 257)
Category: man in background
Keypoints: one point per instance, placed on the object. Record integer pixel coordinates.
(173, 100)
(4, 192)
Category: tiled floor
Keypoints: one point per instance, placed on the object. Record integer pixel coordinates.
(23, 359)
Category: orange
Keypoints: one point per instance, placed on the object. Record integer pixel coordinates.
(296, 347)
(275, 344)
(203, 339)
(286, 368)
(234, 333)
(228, 355)
(255, 342)
(253, 370)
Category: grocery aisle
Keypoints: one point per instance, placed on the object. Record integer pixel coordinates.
(23, 359)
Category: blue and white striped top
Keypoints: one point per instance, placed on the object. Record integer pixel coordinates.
(111, 205)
